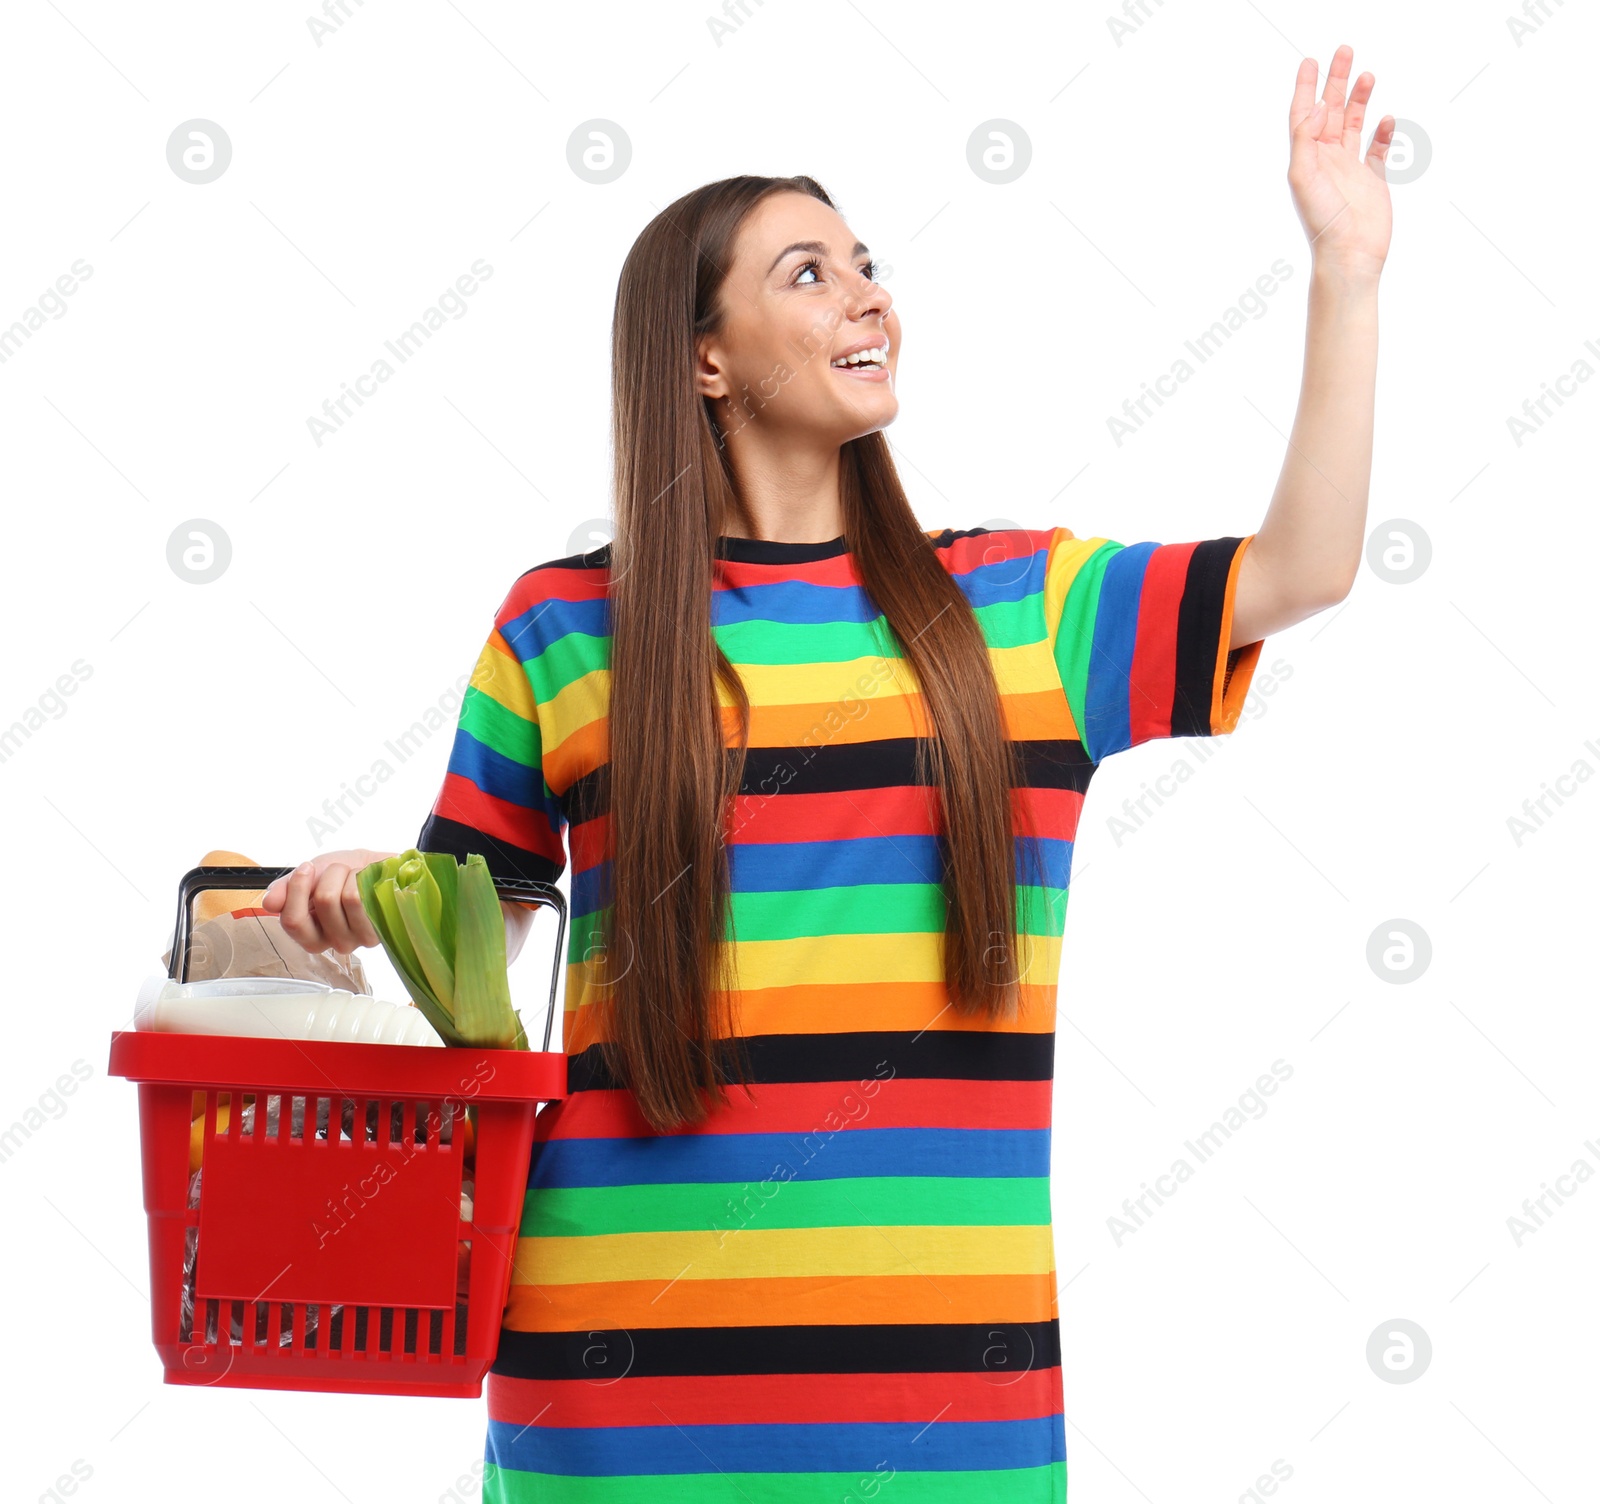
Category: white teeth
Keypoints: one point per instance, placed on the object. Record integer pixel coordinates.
(878, 356)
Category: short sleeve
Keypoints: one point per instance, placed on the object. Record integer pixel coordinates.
(495, 799)
(1140, 636)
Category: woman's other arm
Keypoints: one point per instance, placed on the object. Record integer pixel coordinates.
(319, 905)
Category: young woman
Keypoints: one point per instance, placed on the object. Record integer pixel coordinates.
(819, 771)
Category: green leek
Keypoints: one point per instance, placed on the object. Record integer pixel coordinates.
(442, 928)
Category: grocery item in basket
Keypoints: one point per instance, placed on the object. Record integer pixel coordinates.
(442, 927)
(277, 1007)
(234, 936)
(464, 1248)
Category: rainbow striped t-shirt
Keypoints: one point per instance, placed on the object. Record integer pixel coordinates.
(848, 1276)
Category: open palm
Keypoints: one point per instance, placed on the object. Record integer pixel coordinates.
(1341, 196)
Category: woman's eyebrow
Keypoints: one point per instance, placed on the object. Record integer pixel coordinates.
(816, 247)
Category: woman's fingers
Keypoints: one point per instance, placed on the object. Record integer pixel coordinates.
(328, 908)
(295, 916)
(1378, 152)
(1333, 92)
(1306, 115)
(355, 916)
(1305, 96)
(319, 903)
(1355, 112)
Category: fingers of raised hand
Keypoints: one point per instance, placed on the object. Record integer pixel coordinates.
(1355, 112)
(1304, 102)
(1382, 139)
(1333, 93)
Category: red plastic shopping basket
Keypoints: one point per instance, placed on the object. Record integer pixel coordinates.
(328, 1242)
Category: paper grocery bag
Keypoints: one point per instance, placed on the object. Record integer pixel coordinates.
(234, 936)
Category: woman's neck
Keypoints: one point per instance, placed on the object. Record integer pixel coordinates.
(785, 496)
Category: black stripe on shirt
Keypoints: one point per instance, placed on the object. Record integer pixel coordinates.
(503, 859)
(931, 1054)
(1004, 1349)
(1205, 589)
(845, 767)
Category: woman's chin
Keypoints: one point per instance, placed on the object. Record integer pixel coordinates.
(869, 416)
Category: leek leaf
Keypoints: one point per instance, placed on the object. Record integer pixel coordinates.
(443, 929)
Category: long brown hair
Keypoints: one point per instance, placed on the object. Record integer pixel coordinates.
(671, 776)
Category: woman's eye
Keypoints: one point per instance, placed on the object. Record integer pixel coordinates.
(868, 269)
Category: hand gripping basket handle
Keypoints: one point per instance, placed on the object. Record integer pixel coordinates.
(208, 879)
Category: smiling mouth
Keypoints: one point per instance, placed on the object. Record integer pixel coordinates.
(875, 359)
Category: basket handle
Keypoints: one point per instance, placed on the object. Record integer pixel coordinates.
(199, 880)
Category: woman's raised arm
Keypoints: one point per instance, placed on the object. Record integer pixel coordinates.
(1305, 555)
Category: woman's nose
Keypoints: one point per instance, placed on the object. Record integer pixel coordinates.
(873, 298)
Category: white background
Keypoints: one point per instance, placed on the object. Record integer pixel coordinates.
(1229, 931)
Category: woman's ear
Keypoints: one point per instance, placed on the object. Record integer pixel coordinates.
(708, 374)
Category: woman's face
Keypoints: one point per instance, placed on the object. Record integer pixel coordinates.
(798, 297)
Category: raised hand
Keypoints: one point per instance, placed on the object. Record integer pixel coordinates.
(1341, 196)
